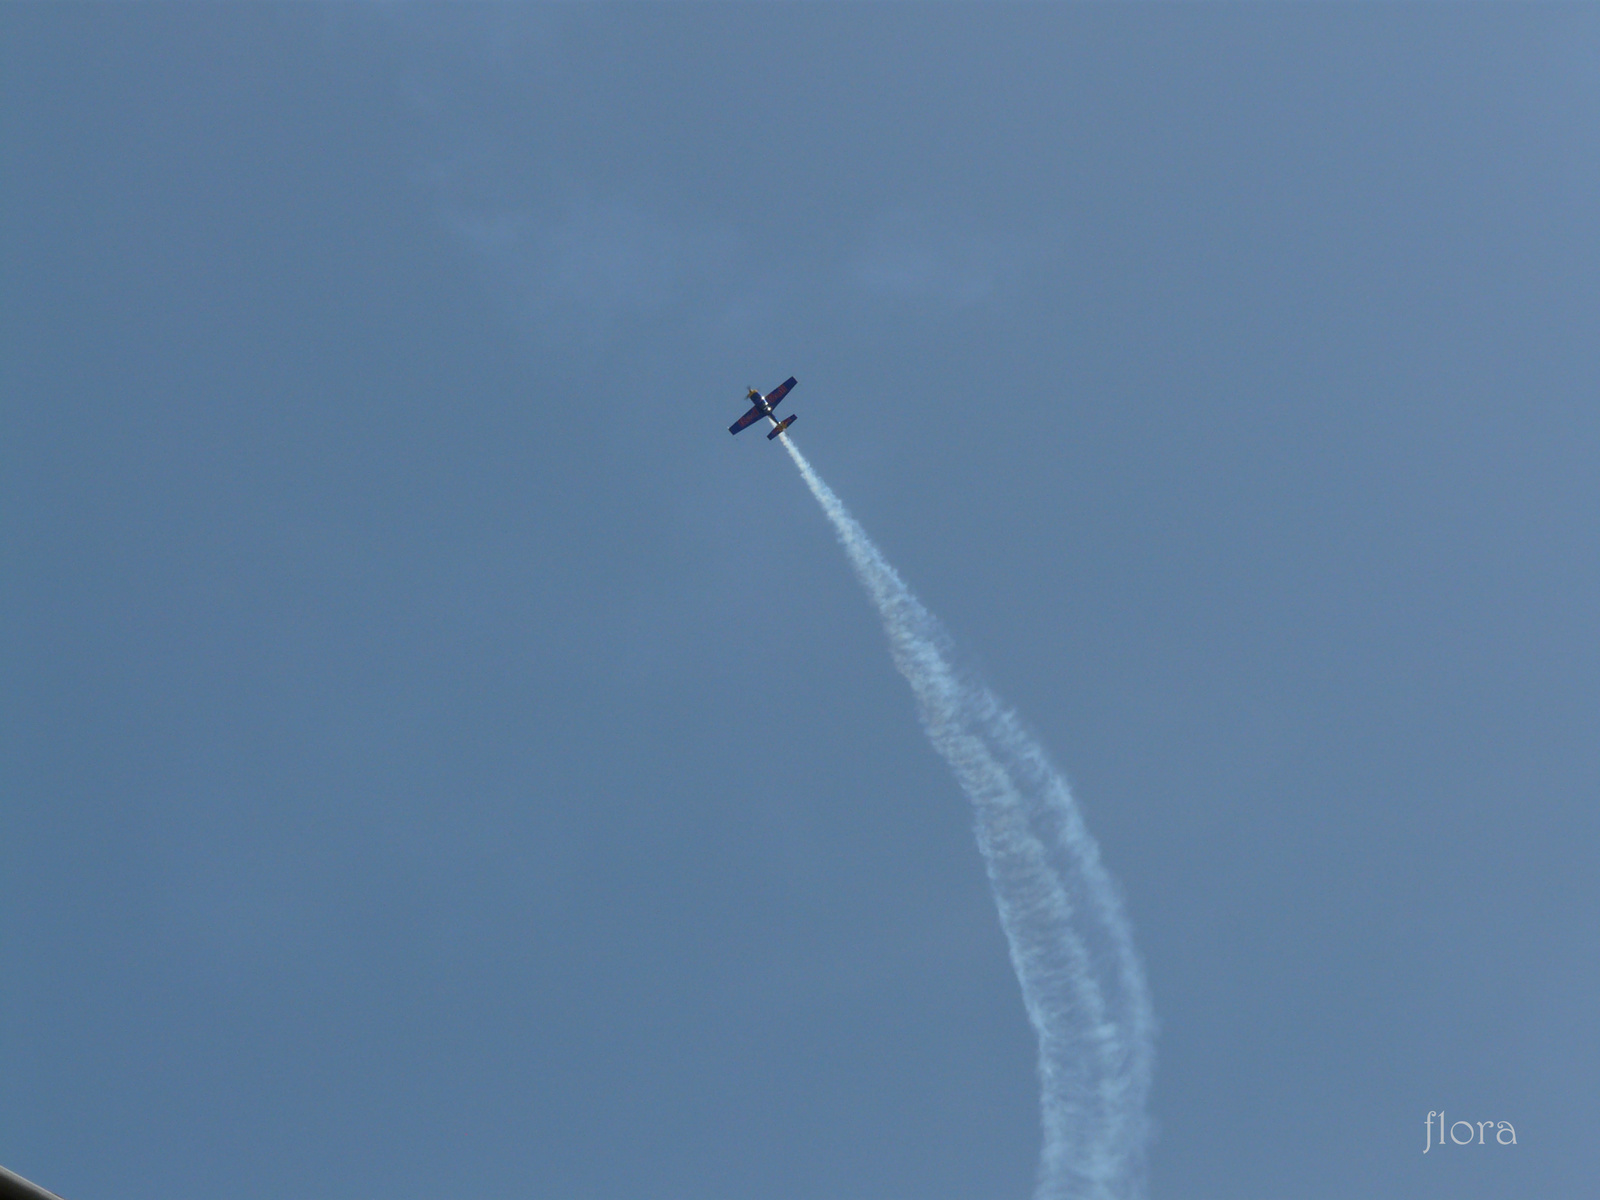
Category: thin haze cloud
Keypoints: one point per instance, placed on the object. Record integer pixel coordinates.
(593, 262)
(912, 258)
(1071, 944)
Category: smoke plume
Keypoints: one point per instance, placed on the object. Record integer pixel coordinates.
(1071, 946)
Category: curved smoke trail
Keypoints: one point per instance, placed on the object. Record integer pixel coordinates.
(1071, 945)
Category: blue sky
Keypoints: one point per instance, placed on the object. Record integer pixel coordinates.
(439, 759)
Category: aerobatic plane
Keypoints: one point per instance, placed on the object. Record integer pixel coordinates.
(762, 406)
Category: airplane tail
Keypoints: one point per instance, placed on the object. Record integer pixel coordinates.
(787, 421)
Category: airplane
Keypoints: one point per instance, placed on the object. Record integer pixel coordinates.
(762, 406)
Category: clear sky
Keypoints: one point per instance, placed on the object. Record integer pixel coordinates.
(438, 760)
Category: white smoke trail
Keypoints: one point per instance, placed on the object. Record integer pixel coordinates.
(1071, 945)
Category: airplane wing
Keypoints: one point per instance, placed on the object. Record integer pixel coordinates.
(15, 1187)
(779, 392)
(747, 420)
